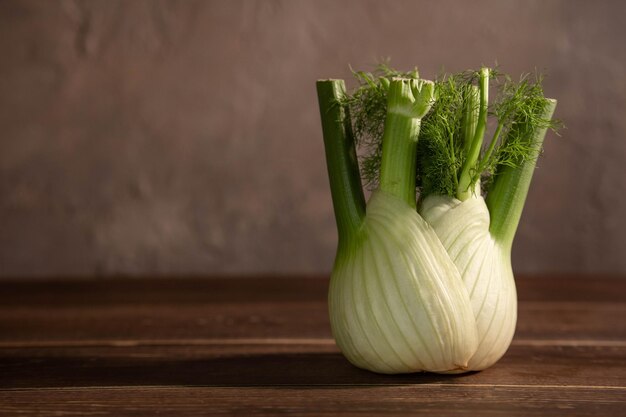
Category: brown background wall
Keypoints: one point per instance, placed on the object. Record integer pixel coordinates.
(166, 137)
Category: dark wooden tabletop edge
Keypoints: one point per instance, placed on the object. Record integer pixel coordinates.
(19, 279)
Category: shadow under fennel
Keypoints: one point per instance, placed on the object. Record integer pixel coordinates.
(84, 369)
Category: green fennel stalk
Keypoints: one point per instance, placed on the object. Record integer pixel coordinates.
(469, 174)
(507, 194)
(343, 170)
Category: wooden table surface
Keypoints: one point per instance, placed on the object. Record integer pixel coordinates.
(262, 346)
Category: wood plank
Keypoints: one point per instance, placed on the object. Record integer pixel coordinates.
(145, 311)
(155, 291)
(187, 290)
(580, 320)
(30, 324)
(390, 400)
(570, 288)
(288, 364)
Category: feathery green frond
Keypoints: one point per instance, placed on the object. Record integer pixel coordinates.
(448, 129)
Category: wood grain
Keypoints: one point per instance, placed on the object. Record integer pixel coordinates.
(394, 400)
(231, 365)
(148, 310)
(262, 346)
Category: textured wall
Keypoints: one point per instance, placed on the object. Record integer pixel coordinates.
(163, 137)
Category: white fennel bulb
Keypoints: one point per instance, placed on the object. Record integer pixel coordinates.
(396, 301)
(485, 267)
(431, 290)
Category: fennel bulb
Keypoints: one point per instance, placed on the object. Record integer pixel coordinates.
(485, 267)
(428, 286)
(396, 302)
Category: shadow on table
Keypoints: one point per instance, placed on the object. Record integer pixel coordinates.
(304, 369)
